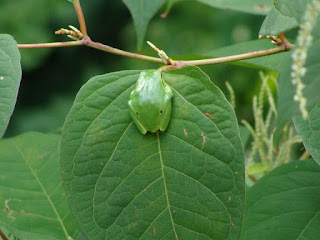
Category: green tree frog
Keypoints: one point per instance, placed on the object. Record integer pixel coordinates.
(150, 102)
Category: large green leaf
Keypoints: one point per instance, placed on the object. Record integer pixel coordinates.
(184, 183)
(33, 204)
(273, 62)
(249, 6)
(309, 130)
(284, 204)
(10, 76)
(142, 11)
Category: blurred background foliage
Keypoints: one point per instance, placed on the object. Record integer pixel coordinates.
(52, 77)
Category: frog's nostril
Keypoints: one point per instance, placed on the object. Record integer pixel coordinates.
(137, 113)
(160, 111)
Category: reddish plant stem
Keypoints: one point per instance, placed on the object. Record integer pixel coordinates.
(284, 46)
(81, 19)
(88, 42)
(233, 58)
(285, 42)
(51, 45)
(3, 236)
(175, 64)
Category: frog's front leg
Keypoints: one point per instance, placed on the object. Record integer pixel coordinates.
(133, 114)
(166, 112)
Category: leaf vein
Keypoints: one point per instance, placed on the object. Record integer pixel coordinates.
(315, 215)
(44, 190)
(204, 187)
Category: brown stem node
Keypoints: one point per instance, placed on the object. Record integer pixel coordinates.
(287, 45)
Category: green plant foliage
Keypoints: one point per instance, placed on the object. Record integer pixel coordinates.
(6, 232)
(244, 135)
(286, 106)
(293, 8)
(47, 118)
(187, 182)
(284, 16)
(249, 6)
(142, 11)
(284, 204)
(260, 7)
(275, 23)
(10, 76)
(33, 205)
(142, 17)
(29, 21)
(310, 132)
(184, 183)
(257, 168)
(273, 62)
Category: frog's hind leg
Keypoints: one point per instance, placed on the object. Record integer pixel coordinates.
(166, 113)
(133, 114)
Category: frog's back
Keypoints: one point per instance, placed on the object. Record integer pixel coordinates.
(148, 99)
(149, 89)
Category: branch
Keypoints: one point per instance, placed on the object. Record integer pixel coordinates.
(86, 41)
(82, 38)
(81, 19)
(51, 45)
(233, 58)
(306, 155)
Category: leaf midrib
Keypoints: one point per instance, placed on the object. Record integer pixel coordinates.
(165, 187)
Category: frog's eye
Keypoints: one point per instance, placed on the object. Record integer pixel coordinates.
(160, 111)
